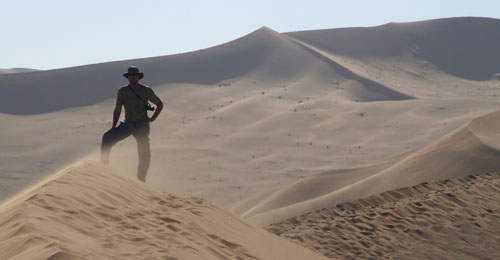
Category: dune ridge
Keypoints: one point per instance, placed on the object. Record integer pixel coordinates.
(16, 70)
(449, 219)
(262, 55)
(473, 147)
(91, 212)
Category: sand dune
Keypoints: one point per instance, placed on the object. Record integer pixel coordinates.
(460, 47)
(91, 212)
(260, 112)
(16, 70)
(450, 219)
(263, 55)
(474, 147)
(444, 52)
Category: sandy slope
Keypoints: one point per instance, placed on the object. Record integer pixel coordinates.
(91, 212)
(262, 111)
(474, 147)
(452, 219)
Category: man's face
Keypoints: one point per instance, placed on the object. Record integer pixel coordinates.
(133, 78)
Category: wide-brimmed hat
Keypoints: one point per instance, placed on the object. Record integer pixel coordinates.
(133, 70)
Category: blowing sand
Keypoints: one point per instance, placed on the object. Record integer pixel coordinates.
(91, 212)
(450, 219)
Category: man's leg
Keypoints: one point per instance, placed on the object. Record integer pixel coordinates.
(143, 149)
(109, 139)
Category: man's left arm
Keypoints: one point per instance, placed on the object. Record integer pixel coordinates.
(159, 106)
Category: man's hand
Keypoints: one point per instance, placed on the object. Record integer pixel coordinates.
(159, 107)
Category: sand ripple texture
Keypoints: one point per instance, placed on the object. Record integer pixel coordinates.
(90, 212)
(451, 219)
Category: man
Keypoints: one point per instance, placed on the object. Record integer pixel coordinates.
(135, 98)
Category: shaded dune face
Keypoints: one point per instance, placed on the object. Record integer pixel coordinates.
(464, 47)
(451, 219)
(91, 212)
(360, 89)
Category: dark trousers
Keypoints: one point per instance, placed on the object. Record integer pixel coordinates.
(140, 130)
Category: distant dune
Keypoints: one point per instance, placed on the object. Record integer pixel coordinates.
(263, 55)
(463, 47)
(449, 219)
(90, 212)
(16, 70)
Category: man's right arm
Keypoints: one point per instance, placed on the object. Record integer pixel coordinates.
(116, 115)
(117, 111)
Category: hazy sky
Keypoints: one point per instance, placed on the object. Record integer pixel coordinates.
(64, 33)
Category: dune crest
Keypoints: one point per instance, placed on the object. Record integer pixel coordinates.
(90, 212)
(16, 70)
(473, 147)
(451, 219)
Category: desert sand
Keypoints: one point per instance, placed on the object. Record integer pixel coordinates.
(471, 148)
(273, 125)
(450, 219)
(91, 212)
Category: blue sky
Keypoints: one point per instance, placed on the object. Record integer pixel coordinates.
(64, 33)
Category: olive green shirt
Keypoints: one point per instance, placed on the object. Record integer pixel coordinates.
(135, 108)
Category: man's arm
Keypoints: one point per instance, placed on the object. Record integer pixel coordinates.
(157, 101)
(116, 117)
(117, 111)
(159, 107)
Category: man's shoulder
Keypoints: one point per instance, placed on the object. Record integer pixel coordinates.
(144, 87)
(123, 88)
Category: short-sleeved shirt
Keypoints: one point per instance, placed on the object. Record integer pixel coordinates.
(135, 108)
